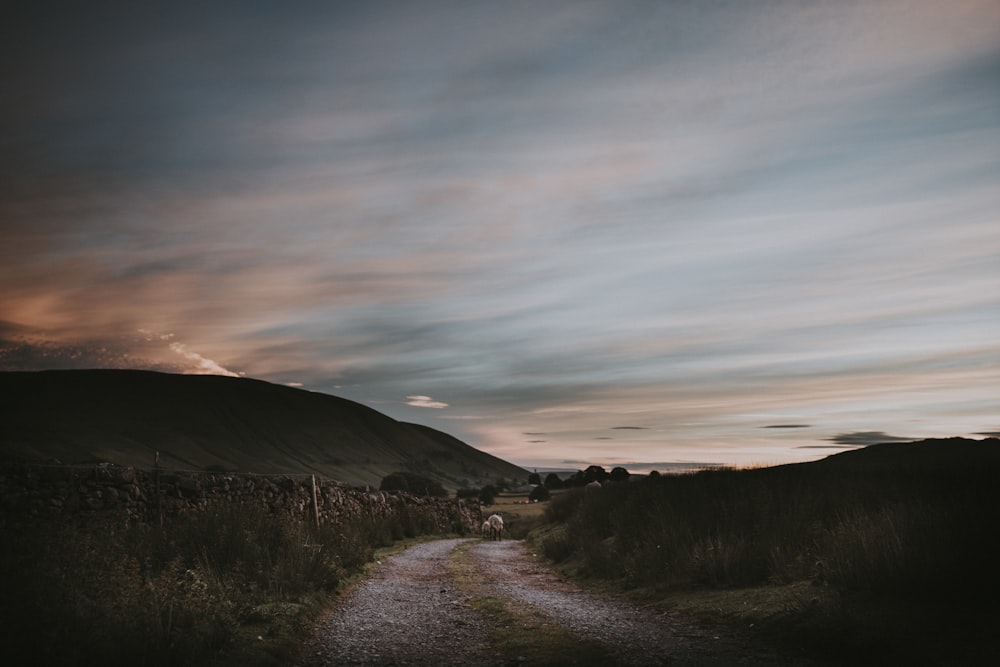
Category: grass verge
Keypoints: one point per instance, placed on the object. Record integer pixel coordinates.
(817, 621)
(522, 634)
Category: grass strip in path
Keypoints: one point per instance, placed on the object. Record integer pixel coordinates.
(522, 634)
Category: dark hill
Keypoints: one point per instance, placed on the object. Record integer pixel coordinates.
(208, 422)
(923, 454)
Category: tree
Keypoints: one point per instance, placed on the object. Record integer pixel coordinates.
(619, 474)
(534, 478)
(553, 481)
(487, 494)
(539, 494)
(595, 474)
(396, 481)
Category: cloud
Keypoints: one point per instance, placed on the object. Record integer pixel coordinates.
(425, 402)
(732, 220)
(30, 349)
(863, 438)
(829, 446)
(202, 365)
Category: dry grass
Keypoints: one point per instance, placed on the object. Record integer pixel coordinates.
(877, 559)
(236, 586)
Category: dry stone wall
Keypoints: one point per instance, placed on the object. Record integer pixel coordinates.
(35, 492)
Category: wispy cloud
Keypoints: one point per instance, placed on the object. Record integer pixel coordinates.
(202, 365)
(714, 223)
(425, 402)
(866, 438)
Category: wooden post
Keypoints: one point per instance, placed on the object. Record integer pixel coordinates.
(156, 475)
(315, 504)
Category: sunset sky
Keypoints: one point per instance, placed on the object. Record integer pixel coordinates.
(639, 233)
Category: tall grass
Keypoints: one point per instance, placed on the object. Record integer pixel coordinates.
(887, 530)
(100, 592)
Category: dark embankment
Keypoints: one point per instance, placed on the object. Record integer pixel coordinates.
(200, 422)
(872, 556)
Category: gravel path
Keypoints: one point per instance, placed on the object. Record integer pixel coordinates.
(407, 613)
(410, 612)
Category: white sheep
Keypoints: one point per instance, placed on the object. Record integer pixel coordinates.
(496, 526)
(593, 486)
(487, 529)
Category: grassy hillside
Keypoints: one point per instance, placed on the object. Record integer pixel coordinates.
(882, 555)
(203, 422)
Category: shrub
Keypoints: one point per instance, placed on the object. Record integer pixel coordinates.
(563, 506)
(891, 531)
(556, 545)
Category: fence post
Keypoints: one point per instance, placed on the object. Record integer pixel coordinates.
(315, 504)
(156, 477)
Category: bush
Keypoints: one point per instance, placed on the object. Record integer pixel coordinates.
(557, 546)
(899, 532)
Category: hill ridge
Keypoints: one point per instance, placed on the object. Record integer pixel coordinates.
(213, 422)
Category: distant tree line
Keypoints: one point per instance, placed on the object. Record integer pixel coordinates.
(593, 473)
(420, 485)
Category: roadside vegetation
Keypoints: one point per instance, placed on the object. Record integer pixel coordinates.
(858, 559)
(233, 586)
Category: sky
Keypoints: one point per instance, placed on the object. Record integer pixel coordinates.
(651, 234)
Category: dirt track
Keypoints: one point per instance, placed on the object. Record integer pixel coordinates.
(413, 611)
